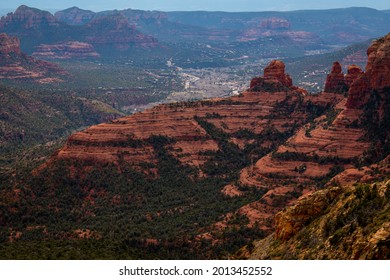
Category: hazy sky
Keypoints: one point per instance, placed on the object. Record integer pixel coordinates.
(210, 5)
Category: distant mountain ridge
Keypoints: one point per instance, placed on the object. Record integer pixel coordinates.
(332, 25)
(108, 32)
(35, 27)
(75, 16)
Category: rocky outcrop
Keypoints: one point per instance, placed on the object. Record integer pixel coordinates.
(15, 65)
(274, 79)
(276, 70)
(376, 76)
(9, 45)
(289, 221)
(348, 222)
(75, 16)
(335, 81)
(378, 64)
(68, 50)
(353, 74)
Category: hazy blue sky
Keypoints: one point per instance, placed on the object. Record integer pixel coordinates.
(211, 5)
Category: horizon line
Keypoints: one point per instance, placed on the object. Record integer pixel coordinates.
(200, 10)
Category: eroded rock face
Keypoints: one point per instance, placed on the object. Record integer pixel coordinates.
(377, 75)
(353, 74)
(276, 69)
(274, 79)
(378, 65)
(335, 81)
(9, 45)
(29, 17)
(68, 50)
(16, 65)
(343, 225)
(292, 219)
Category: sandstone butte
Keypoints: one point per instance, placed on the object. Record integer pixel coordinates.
(286, 174)
(16, 65)
(68, 50)
(281, 27)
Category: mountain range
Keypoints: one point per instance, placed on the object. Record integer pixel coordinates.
(121, 31)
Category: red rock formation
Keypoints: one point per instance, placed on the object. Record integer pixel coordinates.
(353, 74)
(309, 158)
(28, 18)
(335, 81)
(276, 69)
(9, 45)
(68, 50)
(274, 79)
(16, 65)
(378, 64)
(377, 75)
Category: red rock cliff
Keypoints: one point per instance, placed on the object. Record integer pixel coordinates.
(377, 75)
(28, 18)
(15, 65)
(9, 45)
(353, 74)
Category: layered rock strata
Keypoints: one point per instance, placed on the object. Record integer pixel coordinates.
(15, 65)
(68, 50)
(8, 46)
(376, 76)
